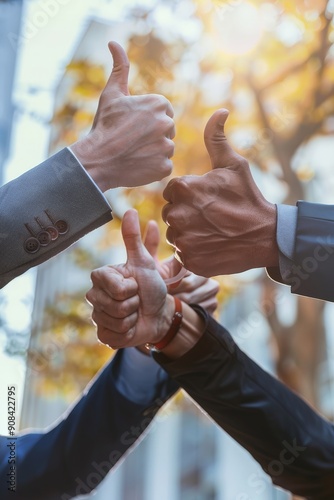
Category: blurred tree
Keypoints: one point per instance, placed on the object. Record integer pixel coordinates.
(289, 86)
(276, 78)
(271, 64)
(67, 354)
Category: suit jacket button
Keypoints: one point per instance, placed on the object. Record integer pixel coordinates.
(53, 232)
(44, 238)
(61, 226)
(31, 245)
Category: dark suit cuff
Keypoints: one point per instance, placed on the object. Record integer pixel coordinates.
(313, 271)
(202, 350)
(310, 271)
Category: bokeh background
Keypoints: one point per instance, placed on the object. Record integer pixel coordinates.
(271, 63)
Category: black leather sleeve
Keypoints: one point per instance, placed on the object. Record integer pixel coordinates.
(292, 442)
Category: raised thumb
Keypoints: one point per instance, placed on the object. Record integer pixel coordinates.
(220, 152)
(117, 84)
(135, 249)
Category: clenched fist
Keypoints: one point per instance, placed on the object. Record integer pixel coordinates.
(130, 143)
(220, 223)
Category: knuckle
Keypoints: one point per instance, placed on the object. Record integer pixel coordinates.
(214, 285)
(124, 326)
(103, 337)
(130, 335)
(156, 99)
(93, 317)
(172, 220)
(167, 167)
(170, 236)
(94, 275)
(121, 290)
(170, 147)
(123, 310)
(89, 296)
(183, 184)
(241, 162)
(162, 100)
(165, 211)
(167, 123)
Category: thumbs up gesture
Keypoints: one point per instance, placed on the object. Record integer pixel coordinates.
(130, 143)
(130, 301)
(220, 223)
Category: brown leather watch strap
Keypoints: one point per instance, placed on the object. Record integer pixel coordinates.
(173, 329)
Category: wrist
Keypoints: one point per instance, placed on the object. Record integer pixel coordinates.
(270, 243)
(85, 152)
(164, 323)
(190, 332)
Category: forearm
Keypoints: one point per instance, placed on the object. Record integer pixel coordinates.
(293, 444)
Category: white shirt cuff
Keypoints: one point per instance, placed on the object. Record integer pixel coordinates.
(286, 233)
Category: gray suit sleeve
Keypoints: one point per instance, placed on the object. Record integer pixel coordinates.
(44, 211)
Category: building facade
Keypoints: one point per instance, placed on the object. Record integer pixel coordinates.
(10, 23)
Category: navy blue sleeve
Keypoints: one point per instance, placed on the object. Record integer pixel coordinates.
(75, 455)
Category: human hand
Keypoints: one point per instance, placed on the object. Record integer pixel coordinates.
(130, 300)
(130, 143)
(220, 223)
(192, 289)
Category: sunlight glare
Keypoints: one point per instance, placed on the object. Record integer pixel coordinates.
(240, 28)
